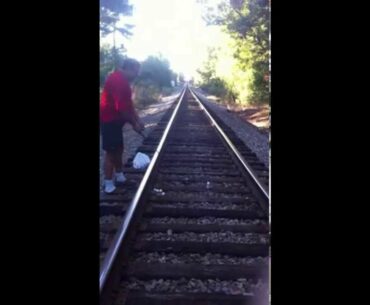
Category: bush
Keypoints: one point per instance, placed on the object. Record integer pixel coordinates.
(146, 92)
(260, 86)
(216, 86)
(167, 91)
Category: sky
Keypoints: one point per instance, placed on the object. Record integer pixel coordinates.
(173, 28)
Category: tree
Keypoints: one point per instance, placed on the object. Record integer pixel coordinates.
(208, 71)
(247, 23)
(110, 13)
(222, 75)
(154, 80)
(157, 69)
(106, 62)
(108, 59)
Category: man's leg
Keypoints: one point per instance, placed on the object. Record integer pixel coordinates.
(109, 186)
(117, 163)
(117, 159)
(108, 165)
(113, 145)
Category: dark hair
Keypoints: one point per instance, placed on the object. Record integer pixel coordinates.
(129, 63)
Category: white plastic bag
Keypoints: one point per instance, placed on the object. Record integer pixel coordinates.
(141, 161)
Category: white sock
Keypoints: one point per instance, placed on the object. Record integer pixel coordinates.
(109, 186)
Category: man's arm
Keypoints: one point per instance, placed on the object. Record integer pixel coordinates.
(137, 125)
(128, 112)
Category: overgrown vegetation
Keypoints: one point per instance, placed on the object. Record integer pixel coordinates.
(238, 69)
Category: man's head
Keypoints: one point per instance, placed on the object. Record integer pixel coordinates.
(130, 68)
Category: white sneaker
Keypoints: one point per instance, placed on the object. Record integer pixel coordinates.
(109, 186)
(120, 177)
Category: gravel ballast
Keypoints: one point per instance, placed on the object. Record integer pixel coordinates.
(183, 285)
(205, 221)
(211, 237)
(249, 134)
(196, 258)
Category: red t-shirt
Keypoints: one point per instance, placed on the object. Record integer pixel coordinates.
(116, 98)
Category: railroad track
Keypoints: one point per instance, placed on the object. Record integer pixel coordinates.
(259, 167)
(196, 223)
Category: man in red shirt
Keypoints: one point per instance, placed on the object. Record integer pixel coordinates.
(116, 109)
